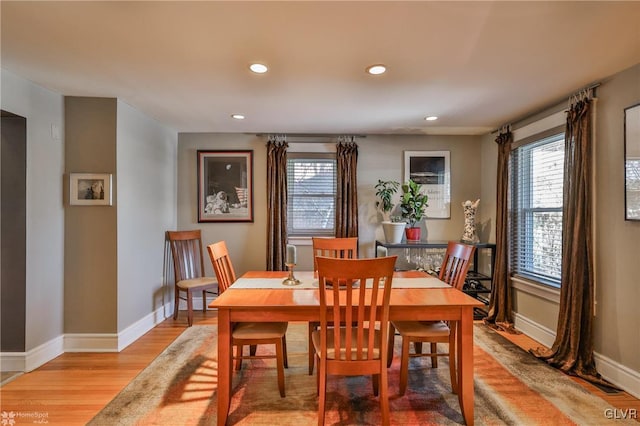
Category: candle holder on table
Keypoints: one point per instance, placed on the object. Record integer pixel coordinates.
(291, 280)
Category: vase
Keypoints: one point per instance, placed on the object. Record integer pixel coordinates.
(393, 231)
(413, 234)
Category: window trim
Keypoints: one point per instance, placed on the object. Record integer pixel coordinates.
(303, 235)
(527, 137)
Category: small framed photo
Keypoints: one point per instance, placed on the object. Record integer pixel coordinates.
(90, 189)
(432, 170)
(225, 186)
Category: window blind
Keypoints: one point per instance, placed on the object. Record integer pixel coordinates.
(537, 173)
(311, 198)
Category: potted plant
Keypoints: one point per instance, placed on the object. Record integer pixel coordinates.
(412, 205)
(393, 226)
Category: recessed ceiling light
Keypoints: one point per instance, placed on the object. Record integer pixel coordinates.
(237, 116)
(431, 118)
(258, 68)
(376, 69)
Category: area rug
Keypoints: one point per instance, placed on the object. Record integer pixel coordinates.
(512, 387)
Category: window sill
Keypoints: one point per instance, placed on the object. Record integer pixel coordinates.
(300, 241)
(540, 290)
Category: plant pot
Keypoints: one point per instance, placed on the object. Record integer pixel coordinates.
(413, 234)
(393, 231)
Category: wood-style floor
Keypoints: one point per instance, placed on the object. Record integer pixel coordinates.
(72, 388)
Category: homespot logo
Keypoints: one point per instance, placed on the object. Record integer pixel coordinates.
(11, 418)
(621, 413)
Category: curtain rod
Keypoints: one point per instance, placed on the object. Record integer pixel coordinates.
(312, 135)
(589, 87)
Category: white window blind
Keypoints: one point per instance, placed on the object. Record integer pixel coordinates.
(311, 194)
(537, 171)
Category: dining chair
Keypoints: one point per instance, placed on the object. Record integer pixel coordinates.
(453, 271)
(343, 248)
(250, 333)
(354, 322)
(188, 268)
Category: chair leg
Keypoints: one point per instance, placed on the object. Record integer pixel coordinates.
(189, 308)
(177, 303)
(280, 366)
(417, 346)
(239, 357)
(384, 397)
(204, 300)
(404, 365)
(322, 390)
(434, 355)
(312, 356)
(284, 350)
(252, 350)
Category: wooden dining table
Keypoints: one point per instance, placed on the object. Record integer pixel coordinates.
(266, 302)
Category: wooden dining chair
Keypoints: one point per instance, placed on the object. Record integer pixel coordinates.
(342, 248)
(453, 271)
(250, 333)
(188, 268)
(354, 322)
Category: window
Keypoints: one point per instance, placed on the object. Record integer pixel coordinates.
(311, 194)
(537, 171)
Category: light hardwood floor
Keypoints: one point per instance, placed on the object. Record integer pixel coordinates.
(72, 388)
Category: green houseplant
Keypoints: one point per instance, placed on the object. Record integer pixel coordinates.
(393, 226)
(412, 205)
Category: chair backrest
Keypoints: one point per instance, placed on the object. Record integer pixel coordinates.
(358, 309)
(222, 265)
(186, 250)
(455, 264)
(342, 248)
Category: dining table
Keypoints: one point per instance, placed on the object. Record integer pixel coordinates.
(261, 296)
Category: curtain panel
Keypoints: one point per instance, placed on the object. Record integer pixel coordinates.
(572, 351)
(276, 204)
(500, 304)
(346, 190)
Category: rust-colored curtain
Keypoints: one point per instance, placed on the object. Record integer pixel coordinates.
(276, 203)
(347, 189)
(572, 351)
(500, 304)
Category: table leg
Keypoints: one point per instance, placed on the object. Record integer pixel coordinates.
(224, 365)
(465, 364)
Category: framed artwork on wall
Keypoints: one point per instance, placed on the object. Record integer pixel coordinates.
(90, 189)
(632, 162)
(225, 186)
(431, 169)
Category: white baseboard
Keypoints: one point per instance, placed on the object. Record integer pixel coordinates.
(620, 375)
(614, 372)
(534, 330)
(81, 342)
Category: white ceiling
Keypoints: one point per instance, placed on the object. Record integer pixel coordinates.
(476, 65)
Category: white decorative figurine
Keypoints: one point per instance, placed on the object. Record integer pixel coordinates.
(470, 235)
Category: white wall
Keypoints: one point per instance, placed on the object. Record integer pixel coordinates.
(44, 110)
(147, 177)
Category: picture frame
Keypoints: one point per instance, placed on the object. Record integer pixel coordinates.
(90, 189)
(431, 169)
(225, 186)
(632, 162)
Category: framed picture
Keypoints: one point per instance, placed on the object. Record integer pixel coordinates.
(632, 162)
(90, 189)
(225, 186)
(431, 169)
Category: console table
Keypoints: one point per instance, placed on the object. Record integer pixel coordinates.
(478, 284)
